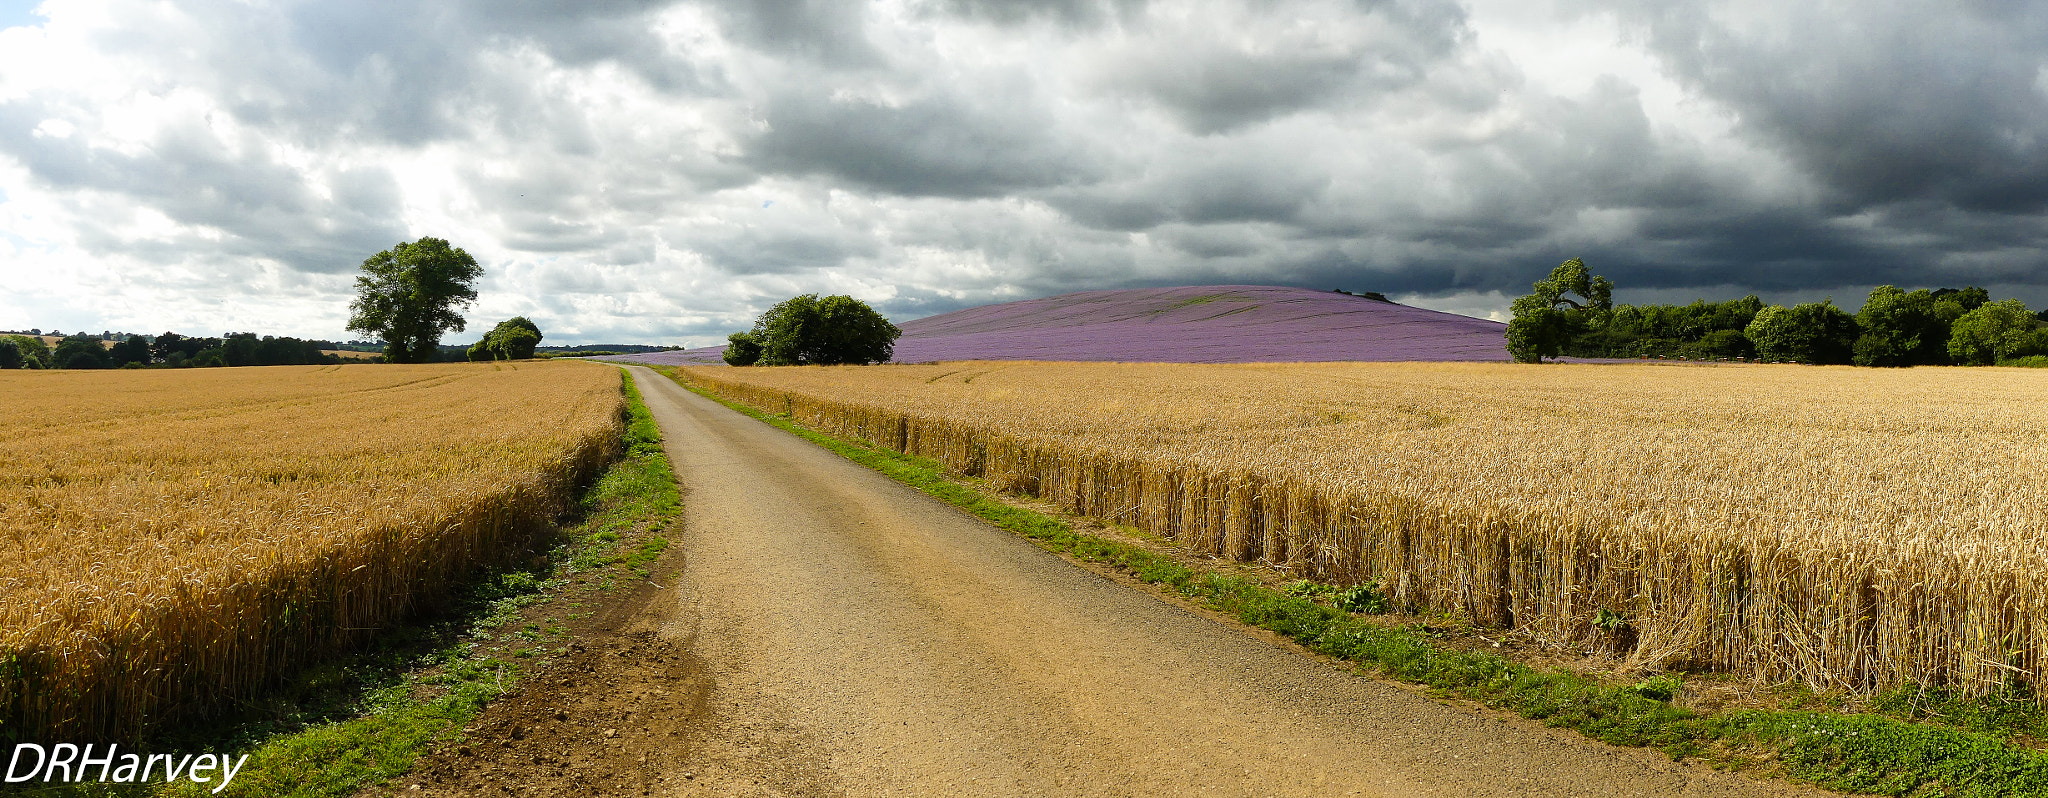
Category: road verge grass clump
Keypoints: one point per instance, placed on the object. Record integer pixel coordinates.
(1865, 753)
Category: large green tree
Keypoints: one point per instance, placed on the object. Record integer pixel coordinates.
(807, 330)
(1816, 332)
(1992, 332)
(34, 353)
(135, 349)
(1902, 328)
(513, 339)
(741, 349)
(409, 295)
(80, 351)
(1547, 319)
(169, 344)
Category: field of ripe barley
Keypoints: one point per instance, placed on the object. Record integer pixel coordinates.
(172, 539)
(1847, 528)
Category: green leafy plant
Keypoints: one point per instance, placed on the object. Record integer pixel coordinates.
(1363, 598)
(1662, 687)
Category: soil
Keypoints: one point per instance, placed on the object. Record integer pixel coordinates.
(820, 630)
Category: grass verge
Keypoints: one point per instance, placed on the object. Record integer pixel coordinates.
(359, 723)
(1859, 753)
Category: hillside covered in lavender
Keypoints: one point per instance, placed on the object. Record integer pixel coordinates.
(1195, 324)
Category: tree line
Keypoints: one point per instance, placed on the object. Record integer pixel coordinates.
(1894, 327)
(407, 296)
(170, 350)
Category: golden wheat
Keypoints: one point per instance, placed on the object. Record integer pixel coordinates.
(170, 540)
(1847, 528)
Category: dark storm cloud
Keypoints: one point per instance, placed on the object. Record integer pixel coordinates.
(1894, 102)
(1922, 127)
(1215, 80)
(778, 245)
(826, 31)
(1235, 185)
(944, 145)
(1013, 12)
(1220, 91)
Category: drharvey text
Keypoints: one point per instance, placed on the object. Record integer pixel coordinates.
(64, 763)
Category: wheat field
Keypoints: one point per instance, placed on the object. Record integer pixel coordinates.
(172, 539)
(1851, 529)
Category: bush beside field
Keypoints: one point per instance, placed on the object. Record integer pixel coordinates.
(179, 539)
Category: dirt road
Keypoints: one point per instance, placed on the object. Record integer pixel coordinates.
(830, 632)
(862, 639)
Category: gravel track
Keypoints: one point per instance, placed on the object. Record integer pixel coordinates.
(859, 638)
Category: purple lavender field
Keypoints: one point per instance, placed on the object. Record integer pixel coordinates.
(1196, 324)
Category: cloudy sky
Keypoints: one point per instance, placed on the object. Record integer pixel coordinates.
(660, 172)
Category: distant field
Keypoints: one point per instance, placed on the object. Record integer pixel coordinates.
(1847, 528)
(170, 539)
(52, 341)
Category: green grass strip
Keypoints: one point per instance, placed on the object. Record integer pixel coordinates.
(1869, 754)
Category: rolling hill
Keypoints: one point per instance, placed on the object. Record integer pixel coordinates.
(1194, 324)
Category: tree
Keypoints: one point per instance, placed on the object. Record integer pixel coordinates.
(1540, 327)
(133, 350)
(1702, 329)
(1969, 297)
(518, 343)
(806, 330)
(513, 339)
(34, 353)
(1816, 332)
(408, 296)
(741, 349)
(1994, 331)
(240, 349)
(166, 344)
(1726, 343)
(10, 354)
(81, 351)
(1906, 329)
